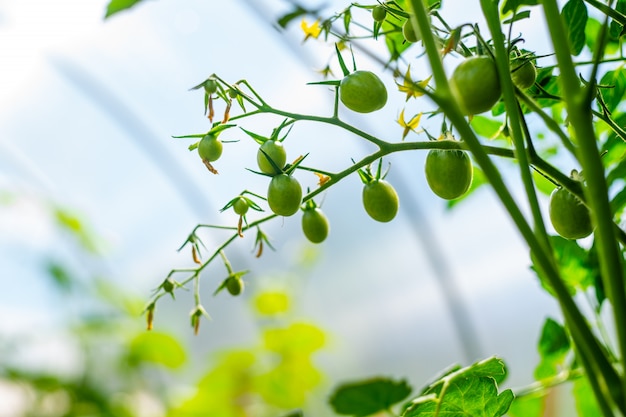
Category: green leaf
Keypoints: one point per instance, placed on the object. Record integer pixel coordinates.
(512, 5)
(554, 344)
(473, 396)
(368, 397)
(615, 82)
(528, 406)
(116, 6)
(572, 261)
(157, 348)
(302, 338)
(553, 341)
(584, 398)
(519, 16)
(575, 17)
(394, 39)
(294, 14)
(487, 127)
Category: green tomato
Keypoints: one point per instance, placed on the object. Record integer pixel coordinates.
(569, 216)
(284, 195)
(409, 33)
(523, 76)
(448, 173)
(210, 86)
(234, 285)
(276, 152)
(210, 148)
(363, 92)
(241, 206)
(379, 13)
(380, 200)
(315, 225)
(476, 85)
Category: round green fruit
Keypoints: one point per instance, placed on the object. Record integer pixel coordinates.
(476, 85)
(523, 74)
(275, 151)
(315, 225)
(448, 173)
(409, 32)
(379, 13)
(284, 195)
(210, 148)
(234, 285)
(241, 206)
(363, 92)
(380, 200)
(569, 216)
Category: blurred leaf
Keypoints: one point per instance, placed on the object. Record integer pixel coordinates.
(512, 5)
(116, 6)
(544, 185)
(575, 17)
(527, 406)
(554, 344)
(616, 29)
(157, 348)
(584, 399)
(297, 12)
(61, 276)
(614, 93)
(368, 397)
(394, 39)
(300, 338)
(288, 384)
(271, 303)
(74, 225)
(487, 127)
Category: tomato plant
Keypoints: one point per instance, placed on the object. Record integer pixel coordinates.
(380, 200)
(284, 195)
(315, 224)
(476, 85)
(448, 173)
(363, 92)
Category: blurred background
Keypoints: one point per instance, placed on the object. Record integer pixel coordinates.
(96, 197)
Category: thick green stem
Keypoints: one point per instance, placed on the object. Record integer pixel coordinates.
(579, 113)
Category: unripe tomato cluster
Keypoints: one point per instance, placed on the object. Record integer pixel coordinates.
(570, 217)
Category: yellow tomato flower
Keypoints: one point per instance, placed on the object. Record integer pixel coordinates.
(311, 31)
(412, 88)
(411, 125)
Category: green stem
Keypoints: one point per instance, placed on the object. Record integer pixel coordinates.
(579, 114)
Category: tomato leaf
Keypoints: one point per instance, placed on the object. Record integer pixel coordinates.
(554, 344)
(157, 348)
(575, 17)
(116, 6)
(584, 399)
(368, 397)
(531, 405)
(473, 396)
(615, 82)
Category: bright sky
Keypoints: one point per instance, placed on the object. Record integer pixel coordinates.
(87, 111)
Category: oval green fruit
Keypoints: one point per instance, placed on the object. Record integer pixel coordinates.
(380, 200)
(241, 206)
(379, 13)
(275, 151)
(363, 92)
(448, 173)
(569, 216)
(523, 74)
(234, 285)
(476, 85)
(210, 148)
(315, 225)
(409, 32)
(284, 195)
